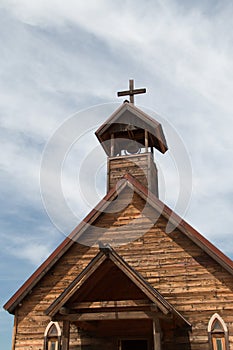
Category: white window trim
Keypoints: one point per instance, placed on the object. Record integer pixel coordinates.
(219, 318)
(50, 325)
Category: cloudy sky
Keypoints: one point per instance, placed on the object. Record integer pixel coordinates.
(64, 61)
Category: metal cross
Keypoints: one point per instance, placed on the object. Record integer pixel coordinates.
(131, 92)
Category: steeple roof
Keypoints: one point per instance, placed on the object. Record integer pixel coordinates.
(130, 122)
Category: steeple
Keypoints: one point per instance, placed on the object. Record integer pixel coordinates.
(129, 137)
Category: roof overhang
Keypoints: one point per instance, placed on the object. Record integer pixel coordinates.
(128, 122)
(152, 200)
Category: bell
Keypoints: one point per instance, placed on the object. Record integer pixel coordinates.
(132, 147)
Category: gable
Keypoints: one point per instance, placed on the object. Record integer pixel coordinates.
(108, 283)
(93, 285)
(106, 223)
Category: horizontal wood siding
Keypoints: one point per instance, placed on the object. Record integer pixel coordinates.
(32, 320)
(187, 277)
(141, 166)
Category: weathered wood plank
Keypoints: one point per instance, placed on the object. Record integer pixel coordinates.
(188, 278)
(110, 304)
(96, 316)
(66, 335)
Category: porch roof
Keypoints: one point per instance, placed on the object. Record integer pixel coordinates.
(107, 261)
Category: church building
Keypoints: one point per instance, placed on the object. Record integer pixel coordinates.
(121, 280)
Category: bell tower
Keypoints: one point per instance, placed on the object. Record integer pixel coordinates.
(129, 138)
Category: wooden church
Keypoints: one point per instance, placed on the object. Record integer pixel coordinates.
(121, 280)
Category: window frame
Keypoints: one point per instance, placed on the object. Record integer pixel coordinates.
(51, 338)
(220, 337)
(221, 334)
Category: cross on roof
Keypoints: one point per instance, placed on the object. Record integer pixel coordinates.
(131, 92)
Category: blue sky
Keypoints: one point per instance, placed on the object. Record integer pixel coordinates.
(59, 58)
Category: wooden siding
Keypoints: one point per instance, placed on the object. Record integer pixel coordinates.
(186, 276)
(141, 166)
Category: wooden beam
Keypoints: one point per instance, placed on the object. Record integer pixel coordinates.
(96, 316)
(66, 335)
(14, 333)
(110, 304)
(88, 326)
(77, 283)
(131, 92)
(154, 307)
(131, 89)
(156, 334)
(64, 311)
(112, 145)
(146, 140)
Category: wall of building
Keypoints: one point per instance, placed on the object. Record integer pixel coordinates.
(186, 276)
(141, 166)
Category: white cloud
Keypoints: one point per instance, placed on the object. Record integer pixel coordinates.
(58, 57)
(24, 244)
(59, 54)
(33, 252)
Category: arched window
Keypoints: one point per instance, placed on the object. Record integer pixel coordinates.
(52, 337)
(218, 333)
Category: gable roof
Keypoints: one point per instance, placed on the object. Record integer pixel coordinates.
(152, 200)
(109, 254)
(134, 118)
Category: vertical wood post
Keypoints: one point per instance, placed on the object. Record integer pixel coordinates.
(112, 145)
(156, 334)
(131, 88)
(14, 330)
(66, 335)
(146, 140)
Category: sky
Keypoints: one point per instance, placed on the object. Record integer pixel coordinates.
(61, 64)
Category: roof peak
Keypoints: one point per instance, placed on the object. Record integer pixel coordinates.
(152, 200)
(123, 120)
